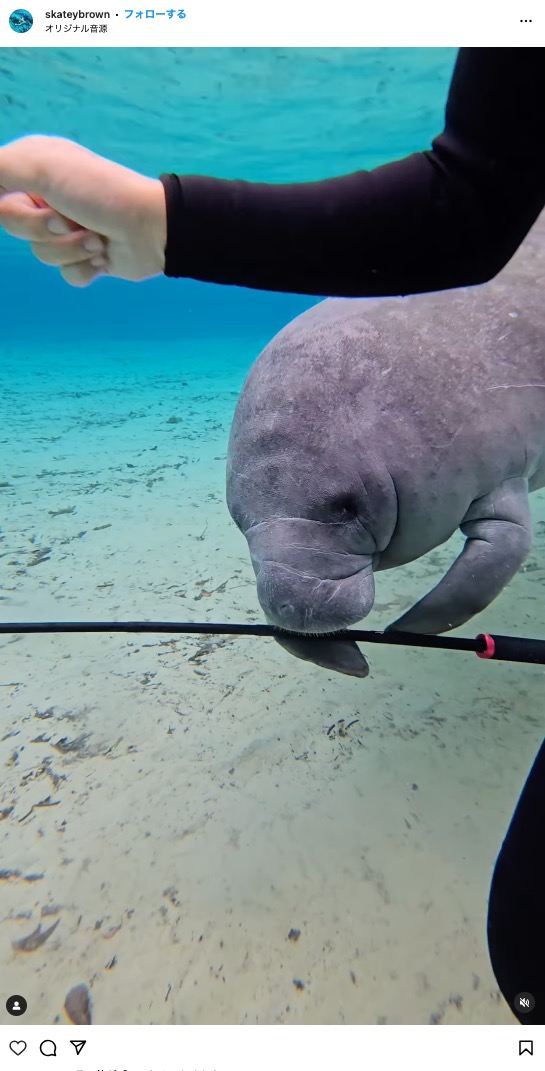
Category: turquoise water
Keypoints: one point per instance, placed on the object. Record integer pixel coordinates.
(182, 806)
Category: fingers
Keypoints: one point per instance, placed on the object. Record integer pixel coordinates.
(79, 246)
(23, 216)
(54, 240)
(81, 274)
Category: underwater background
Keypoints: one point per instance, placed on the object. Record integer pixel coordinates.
(223, 833)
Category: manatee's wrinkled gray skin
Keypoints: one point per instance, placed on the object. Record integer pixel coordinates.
(369, 430)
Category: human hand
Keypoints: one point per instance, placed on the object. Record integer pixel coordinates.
(60, 197)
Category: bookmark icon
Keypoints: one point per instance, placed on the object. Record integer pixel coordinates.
(78, 1045)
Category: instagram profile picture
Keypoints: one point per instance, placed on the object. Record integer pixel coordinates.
(21, 20)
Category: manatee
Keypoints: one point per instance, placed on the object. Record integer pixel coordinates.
(369, 430)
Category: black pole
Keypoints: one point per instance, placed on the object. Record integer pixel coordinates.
(505, 648)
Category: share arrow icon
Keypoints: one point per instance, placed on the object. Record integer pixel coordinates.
(78, 1045)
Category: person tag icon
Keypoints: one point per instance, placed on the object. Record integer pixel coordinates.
(16, 1005)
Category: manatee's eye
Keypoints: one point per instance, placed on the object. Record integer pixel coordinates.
(344, 507)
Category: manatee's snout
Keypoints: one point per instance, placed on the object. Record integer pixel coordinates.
(305, 584)
(300, 602)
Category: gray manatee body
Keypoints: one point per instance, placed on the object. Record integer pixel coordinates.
(369, 430)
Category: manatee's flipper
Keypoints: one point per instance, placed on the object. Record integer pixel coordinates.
(343, 656)
(499, 536)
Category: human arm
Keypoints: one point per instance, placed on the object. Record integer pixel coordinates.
(449, 216)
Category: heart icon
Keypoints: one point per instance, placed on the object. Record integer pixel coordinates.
(17, 1047)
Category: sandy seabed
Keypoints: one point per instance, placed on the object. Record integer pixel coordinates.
(226, 834)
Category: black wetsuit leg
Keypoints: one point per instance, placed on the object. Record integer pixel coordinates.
(516, 910)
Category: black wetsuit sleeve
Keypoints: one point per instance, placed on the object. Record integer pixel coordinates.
(452, 215)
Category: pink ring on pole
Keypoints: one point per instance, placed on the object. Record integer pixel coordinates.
(490, 646)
